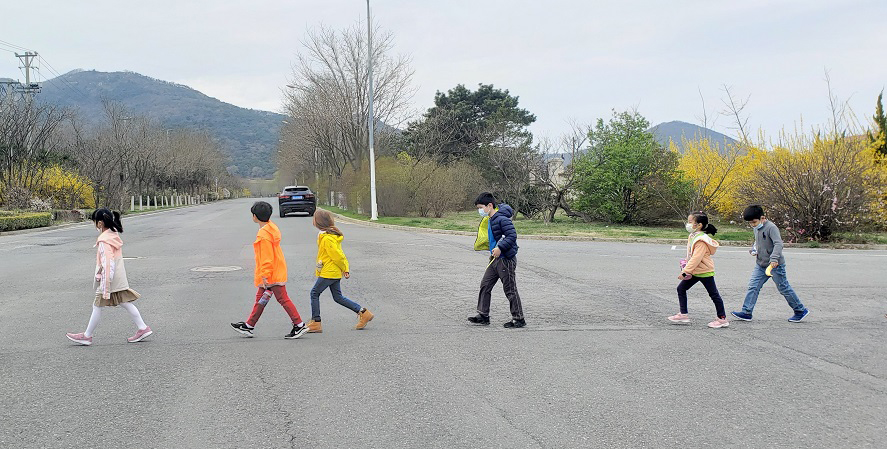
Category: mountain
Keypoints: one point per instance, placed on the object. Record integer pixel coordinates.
(248, 136)
(676, 130)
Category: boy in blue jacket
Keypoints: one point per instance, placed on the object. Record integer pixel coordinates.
(503, 262)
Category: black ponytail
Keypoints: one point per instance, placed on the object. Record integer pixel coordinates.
(702, 219)
(110, 220)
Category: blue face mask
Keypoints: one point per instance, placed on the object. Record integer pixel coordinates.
(481, 212)
(759, 226)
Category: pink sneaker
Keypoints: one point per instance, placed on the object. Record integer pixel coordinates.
(80, 339)
(719, 323)
(680, 318)
(140, 335)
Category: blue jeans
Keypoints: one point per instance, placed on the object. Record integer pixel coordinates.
(759, 278)
(333, 284)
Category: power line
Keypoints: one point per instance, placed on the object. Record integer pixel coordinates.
(45, 63)
(65, 81)
(10, 44)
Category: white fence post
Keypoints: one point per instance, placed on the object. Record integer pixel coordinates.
(132, 204)
(140, 203)
(155, 202)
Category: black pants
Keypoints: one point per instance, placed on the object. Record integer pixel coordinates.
(500, 269)
(710, 287)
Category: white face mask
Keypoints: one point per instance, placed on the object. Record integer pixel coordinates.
(481, 212)
(689, 227)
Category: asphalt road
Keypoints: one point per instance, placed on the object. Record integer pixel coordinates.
(597, 366)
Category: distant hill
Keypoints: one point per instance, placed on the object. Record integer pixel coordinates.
(676, 131)
(249, 137)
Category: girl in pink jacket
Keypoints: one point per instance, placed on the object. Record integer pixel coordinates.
(111, 286)
(699, 267)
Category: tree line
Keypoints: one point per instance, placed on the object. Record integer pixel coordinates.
(50, 159)
(814, 182)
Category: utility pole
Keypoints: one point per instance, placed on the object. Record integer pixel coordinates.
(27, 59)
(29, 89)
(371, 120)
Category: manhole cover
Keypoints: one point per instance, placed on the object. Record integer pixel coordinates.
(217, 269)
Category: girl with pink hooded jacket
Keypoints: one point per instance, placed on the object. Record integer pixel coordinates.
(699, 267)
(112, 288)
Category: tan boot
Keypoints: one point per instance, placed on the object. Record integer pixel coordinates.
(363, 318)
(314, 327)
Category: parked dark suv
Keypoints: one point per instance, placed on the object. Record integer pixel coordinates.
(297, 199)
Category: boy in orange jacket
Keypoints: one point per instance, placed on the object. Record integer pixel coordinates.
(270, 274)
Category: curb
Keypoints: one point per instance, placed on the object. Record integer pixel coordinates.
(45, 228)
(577, 238)
(78, 223)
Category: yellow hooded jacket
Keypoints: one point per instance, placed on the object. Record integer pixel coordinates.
(331, 260)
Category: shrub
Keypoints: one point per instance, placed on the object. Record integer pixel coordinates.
(444, 188)
(25, 221)
(395, 191)
(17, 197)
(716, 174)
(67, 189)
(40, 205)
(813, 189)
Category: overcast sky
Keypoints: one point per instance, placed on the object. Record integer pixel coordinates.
(564, 59)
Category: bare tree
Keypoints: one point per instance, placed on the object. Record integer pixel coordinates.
(29, 140)
(554, 170)
(329, 99)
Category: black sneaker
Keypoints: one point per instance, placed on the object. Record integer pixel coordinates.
(297, 332)
(515, 323)
(479, 319)
(243, 329)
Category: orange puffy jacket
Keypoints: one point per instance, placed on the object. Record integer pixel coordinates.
(270, 263)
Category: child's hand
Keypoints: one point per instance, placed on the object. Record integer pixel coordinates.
(497, 252)
(774, 264)
(347, 274)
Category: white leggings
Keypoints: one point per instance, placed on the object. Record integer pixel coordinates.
(97, 315)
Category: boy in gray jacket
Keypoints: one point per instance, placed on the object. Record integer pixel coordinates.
(770, 261)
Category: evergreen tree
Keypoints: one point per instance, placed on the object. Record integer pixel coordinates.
(878, 138)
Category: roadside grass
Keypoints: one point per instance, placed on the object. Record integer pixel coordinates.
(562, 226)
(566, 226)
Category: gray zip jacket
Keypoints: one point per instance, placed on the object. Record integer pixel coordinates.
(768, 243)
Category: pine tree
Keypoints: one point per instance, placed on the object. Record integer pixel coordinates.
(878, 138)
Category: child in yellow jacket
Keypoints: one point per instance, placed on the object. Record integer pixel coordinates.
(332, 266)
(699, 267)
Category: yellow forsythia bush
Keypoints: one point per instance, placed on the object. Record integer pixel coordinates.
(68, 189)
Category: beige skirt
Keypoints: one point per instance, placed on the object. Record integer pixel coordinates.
(117, 298)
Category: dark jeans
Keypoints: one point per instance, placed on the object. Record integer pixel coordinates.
(333, 284)
(500, 269)
(710, 287)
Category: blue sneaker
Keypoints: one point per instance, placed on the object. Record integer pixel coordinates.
(798, 316)
(742, 316)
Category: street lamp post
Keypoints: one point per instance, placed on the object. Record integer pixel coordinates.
(371, 122)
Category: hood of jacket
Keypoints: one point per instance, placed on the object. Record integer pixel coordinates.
(327, 236)
(713, 244)
(111, 239)
(505, 210)
(269, 232)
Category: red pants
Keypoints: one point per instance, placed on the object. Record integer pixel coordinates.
(284, 300)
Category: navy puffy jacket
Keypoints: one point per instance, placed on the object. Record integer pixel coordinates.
(503, 231)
